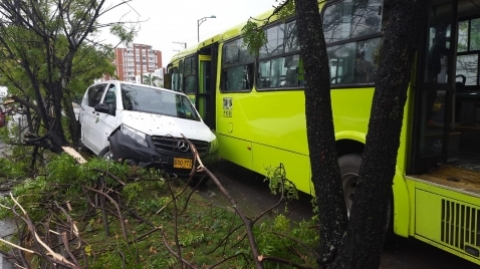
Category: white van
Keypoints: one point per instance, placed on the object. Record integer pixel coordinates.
(144, 126)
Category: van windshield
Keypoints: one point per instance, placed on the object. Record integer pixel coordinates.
(151, 100)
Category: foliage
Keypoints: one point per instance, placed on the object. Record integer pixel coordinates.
(151, 79)
(122, 33)
(90, 63)
(279, 184)
(207, 233)
(254, 37)
(47, 57)
(277, 238)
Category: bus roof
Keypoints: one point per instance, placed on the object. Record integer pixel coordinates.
(230, 33)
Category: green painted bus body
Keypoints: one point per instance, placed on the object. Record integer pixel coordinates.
(261, 129)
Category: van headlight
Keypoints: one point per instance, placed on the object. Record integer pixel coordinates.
(138, 136)
(213, 146)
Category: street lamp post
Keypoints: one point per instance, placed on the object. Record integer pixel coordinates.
(200, 21)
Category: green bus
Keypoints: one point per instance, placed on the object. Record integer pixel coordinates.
(256, 106)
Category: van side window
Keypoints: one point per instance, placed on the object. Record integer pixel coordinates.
(110, 97)
(95, 94)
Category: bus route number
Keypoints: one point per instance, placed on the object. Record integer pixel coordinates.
(227, 107)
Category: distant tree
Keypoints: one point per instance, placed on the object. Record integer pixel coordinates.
(42, 49)
(356, 243)
(152, 80)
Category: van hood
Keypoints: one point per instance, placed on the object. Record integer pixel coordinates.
(161, 125)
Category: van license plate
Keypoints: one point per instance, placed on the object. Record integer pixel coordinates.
(183, 163)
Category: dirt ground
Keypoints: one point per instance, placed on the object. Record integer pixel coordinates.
(253, 195)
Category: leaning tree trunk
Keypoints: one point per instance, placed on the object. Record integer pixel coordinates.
(366, 231)
(320, 132)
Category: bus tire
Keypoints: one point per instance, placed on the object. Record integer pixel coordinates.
(349, 168)
(349, 165)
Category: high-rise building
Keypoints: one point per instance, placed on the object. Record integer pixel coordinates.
(136, 60)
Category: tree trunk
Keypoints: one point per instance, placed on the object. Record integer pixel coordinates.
(361, 247)
(366, 231)
(320, 131)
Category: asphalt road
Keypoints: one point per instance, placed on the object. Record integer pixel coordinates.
(253, 196)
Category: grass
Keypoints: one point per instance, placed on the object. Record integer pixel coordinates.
(205, 233)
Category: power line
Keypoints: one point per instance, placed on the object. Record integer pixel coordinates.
(181, 43)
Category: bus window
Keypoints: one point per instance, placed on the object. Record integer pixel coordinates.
(177, 77)
(190, 75)
(237, 67)
(280, 64)
(344, 25)
(356, 62)
(468, 51)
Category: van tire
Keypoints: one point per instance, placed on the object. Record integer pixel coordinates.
(106, 154)
(199, 180)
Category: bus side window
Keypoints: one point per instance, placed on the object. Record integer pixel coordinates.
(279, 60)
(353, 60)
(237, 67)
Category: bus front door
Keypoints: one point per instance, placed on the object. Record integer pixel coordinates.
(436, 77)
(204, 100)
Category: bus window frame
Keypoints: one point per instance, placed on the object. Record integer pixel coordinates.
(193, 73)
(469, 51)
(356, 39)
(277, 56)
(222, 73)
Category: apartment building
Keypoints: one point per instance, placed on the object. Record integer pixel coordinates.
(136, 60)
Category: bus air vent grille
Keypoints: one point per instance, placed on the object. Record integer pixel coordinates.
(460, 226)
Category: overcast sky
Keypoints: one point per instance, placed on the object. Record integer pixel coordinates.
(168, 21)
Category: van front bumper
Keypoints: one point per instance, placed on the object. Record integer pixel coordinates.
(125, 149)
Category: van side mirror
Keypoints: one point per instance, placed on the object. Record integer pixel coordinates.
(104, 108)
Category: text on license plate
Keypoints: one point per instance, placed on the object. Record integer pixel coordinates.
(182, 163)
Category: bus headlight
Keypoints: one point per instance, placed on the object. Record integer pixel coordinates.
(138, 136)
(213, 145)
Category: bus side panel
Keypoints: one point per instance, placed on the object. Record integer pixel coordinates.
(401, 205)
(297, 166)
(351, 109)
(235, 150)
(273, 119)
(402, 198)
(449, 220)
